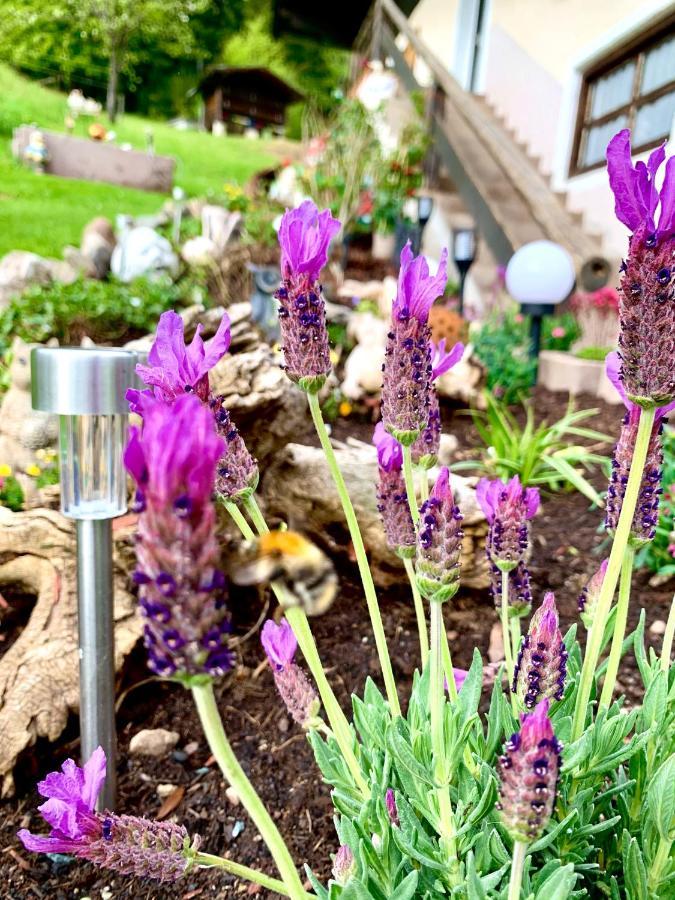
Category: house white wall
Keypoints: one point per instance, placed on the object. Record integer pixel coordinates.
(535, 52)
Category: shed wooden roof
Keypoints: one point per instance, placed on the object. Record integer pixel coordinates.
(252, 80)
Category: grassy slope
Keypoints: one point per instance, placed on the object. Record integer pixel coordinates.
(44, 213)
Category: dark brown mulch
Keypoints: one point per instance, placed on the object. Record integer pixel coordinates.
(280, 764)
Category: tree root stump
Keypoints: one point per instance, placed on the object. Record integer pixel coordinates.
(39, 683)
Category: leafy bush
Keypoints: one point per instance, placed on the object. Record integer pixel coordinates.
(106, 311)
(11, 493)
(539, 455)
(597, 354)
(502, 344)
(659, 556)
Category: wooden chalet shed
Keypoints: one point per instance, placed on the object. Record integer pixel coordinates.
(245, 98)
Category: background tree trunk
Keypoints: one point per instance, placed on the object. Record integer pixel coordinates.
(113, 79)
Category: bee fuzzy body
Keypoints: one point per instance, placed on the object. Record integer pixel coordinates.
(306, 573)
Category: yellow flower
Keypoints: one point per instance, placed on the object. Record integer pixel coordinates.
(33, 470)
(345, 408)
(334, 357)
(41, 454)
(5, 470)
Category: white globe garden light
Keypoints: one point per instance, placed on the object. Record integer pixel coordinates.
(540, 275)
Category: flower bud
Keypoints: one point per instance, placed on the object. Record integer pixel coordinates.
(528, 772)
(542, 659)
(392, 810)
(392, 498)
(344, 865)
(588, 598)
(507, 507)
(439, 543)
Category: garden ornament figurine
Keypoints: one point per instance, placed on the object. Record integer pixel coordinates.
(36, 154)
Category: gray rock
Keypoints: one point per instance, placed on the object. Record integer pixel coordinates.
(153, 742)
(297, 488)
(141, 251)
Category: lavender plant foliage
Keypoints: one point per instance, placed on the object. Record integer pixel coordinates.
(528, 773)
(439, 543)
(181, 590)
(294, 687)
(407, 366)
(646, 517)
(392, 500)
(507, 508)
(304, 237)
(647, 290)
(541, 666)
(126, 844)
(425, 449)
(176, 369)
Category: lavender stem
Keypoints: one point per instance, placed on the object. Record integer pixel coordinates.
(209, 716)
(517, 864)
(420, 615)
(619, 628)
(361, 558)
(410, 483)
(208, 860)
(506, 638)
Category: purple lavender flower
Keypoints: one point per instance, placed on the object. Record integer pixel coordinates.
(392, 809)
(646, 517)
(426, 447)
(174, 368)
(542, 659)
(439, 543)
(528, 772)
(237, 472)
(304, 237)
(279, 643)
(407, 366)
(344, 865)
(392, 500)
(299, 696)
(177, 369)
(125, 844)
(519, 589)
(647, 294)
(181, 589)
(507, 507)
(459, 676)
(588, 598)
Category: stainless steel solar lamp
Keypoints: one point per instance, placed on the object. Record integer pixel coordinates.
(86, 388)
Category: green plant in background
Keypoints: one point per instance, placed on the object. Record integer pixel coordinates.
(659, 555)
(106, 311)
(502, 344)
(399, 176)
(11, 492)
(539, 455)
(596, 354)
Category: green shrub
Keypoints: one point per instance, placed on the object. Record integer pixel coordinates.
(105, 311)
(597, 354)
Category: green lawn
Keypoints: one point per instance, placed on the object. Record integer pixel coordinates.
(44, 213)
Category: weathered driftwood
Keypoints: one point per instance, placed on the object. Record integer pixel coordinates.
(298, 489)
(39, 672)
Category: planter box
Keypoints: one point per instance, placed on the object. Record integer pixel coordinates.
(73, 157)
(560, 371)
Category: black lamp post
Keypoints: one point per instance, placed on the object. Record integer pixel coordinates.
(464, 254)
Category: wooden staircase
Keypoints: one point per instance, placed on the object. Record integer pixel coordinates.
(502, 186)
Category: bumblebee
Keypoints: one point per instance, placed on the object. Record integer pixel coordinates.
(291, 560)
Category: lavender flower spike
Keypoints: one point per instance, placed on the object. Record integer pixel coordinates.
(304, 236)
(425, 449)
(237, 473)
(181, 590)
(507, 507)
(541, 667)
(299, 696)
(528, 772)
(407, 366)
(173, 367)
(392, 500)
(646, 517)
(588, 598)
(125, 844)
(439, 543)
(647, 290)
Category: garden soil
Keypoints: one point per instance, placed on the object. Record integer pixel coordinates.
(567, 549)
